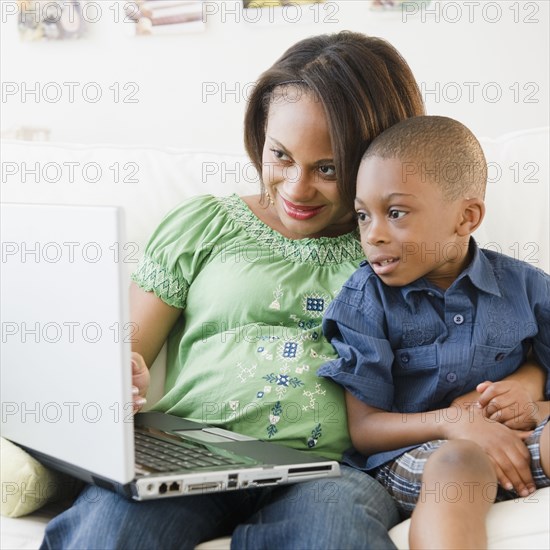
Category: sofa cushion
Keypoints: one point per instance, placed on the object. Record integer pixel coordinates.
(511, 525)
(26, 484)
(517, 222)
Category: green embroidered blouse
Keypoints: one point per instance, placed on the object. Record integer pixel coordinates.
(245, 351)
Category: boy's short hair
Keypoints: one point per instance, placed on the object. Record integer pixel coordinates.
(438, 149)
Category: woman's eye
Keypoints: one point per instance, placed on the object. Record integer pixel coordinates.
(278, 154)
(396, 214)
(328, 170)
(361, 216)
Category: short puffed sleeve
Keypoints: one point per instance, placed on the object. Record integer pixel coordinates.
(179, 247)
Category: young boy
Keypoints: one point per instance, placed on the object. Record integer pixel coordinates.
(428, 318)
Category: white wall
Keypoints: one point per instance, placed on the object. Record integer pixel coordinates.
(464, 54)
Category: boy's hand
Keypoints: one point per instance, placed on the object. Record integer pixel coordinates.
(140, 381)
(505, 447)
(509, 403)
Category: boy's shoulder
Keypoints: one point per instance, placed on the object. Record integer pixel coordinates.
(505, 264)
(363, 288)
(361, 277)
(515, 277)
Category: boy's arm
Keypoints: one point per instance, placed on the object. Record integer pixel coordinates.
(373, 430)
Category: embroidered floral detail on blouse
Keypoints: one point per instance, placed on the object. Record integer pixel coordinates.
(283, 380)
(151, 276)
(274, 417)
(316, 433)
(320, 251)
(234, 408)
(264, 353)
(245, 373)
(262, 393)
(311, 395)
(314, 304)
(304, 325)
(316, 355)
(290, 350)
(277, 294)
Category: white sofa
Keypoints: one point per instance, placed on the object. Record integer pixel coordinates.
(148, 181)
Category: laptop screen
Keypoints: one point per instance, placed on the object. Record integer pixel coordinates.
(66, 373)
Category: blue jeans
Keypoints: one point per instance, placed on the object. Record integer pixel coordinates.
(352, 511)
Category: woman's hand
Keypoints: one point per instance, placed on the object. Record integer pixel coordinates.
(509, 403)
(141, 379)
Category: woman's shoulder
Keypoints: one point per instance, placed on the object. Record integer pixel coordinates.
(202, 211)
(202, 204)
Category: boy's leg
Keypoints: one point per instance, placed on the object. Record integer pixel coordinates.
(459, 485)
(545, 449)
(352, 511)
(538, 444)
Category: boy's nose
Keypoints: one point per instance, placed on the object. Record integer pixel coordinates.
(376, 233)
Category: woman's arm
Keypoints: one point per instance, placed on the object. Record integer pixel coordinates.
(154, 320)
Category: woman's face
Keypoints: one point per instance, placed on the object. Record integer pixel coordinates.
(298, 169)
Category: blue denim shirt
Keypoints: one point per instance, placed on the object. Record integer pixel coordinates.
(416, 348)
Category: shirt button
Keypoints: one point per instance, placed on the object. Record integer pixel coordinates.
(405, 358)
(430, 294)
(458, 319)
(451, 377)
(363, 263)
(500, 356)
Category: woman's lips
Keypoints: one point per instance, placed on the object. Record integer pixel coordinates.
(301, 212)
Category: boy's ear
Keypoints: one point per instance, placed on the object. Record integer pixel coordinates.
(473, 212)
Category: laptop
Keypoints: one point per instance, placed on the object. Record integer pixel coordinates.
(66, 372)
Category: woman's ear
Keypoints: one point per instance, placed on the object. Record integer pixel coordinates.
(473, 212)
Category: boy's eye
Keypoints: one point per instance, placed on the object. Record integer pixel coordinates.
(328, 170)
(395, 214)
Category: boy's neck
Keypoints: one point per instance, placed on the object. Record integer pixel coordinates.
(445, 280)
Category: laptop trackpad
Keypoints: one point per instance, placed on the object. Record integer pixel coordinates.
(208, 435)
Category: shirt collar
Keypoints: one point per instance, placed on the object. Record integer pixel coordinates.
(479, 271)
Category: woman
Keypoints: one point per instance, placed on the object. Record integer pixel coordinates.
(238, 287)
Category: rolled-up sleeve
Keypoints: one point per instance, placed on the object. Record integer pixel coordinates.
(354, 324)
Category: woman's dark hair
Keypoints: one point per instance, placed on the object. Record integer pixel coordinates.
(363, 83)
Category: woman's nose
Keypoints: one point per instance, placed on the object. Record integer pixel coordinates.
(298, 184)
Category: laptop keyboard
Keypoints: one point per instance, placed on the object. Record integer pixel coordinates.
(164, 456)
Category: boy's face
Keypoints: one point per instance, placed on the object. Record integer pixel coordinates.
(408, 229)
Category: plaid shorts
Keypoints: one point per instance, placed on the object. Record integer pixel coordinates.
(402, 477)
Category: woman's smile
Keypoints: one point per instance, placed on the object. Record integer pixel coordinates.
(301, 212)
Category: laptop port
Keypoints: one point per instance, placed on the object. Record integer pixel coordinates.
(267, 481)
(203, 487)
(174, 486)
(163, 488)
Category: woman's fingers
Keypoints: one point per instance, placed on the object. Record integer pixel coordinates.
(140, 381)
